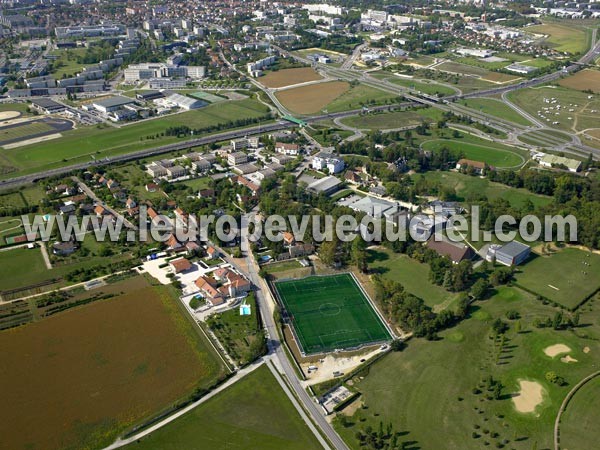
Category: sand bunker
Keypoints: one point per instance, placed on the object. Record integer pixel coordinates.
(529, 397)
(6, 115)
(556, 349)
(586, 349)
(567, 359)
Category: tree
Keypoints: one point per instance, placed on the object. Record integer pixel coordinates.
(398, 345)
(328, 252)
(359, 254)
(557, 321)
(479, 289)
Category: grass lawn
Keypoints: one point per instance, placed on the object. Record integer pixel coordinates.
(563, 37)
(86, 375)
(560, 277)
(196, 183)
(24, 131)
(80, 144)
(14, 261)
(585, 114)
(427, 392)
(493, 154)
(393, 120)
(469, 187)
(496, 108)
(19, 107)
(330, 312)
(253, 413)
(359, 96)
(579, 423)
(67, 64)
(413, 275)
(281, 266)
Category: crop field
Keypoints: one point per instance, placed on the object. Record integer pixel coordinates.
(288, 77)
(385, 121)
(81, 144)
(579, 423)
(359, 96)
(468, 188)
(495, 108)
(583, 80)
(413, 275)
(80, 378)
(312, 99)
(491, 153)
(578, 111)
(434, 405)
(566, 277)
(330, 312)
(252, 413)
(563, 37)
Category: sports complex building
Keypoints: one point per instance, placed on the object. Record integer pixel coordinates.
(330, 312)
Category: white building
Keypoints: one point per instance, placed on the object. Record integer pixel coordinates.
(328, 161)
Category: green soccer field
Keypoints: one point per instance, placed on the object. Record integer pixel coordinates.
(330, 312)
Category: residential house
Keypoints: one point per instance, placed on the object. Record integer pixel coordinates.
(64, 248)
(156, 170)
(477, 166)
(456, 251)
(328, 161)
(201, 165)
(180, 265)
(287, 149)
(175, 172)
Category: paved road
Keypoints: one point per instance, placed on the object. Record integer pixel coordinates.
(267, 304)
(91, 194)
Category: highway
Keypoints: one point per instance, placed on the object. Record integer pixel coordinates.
(183, 145)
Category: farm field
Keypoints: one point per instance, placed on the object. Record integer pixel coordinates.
(563, 37)
(359, 96)
(491, 153)
(560, 277)
(398, 119)
(585, 114)
(495, 108)
(80, 144)
(252, 413)
(469, 188)
(421, 389)
(583, 80)
(288, 77)
(413, 275)
(578, 427)
(330, 312)
(97, 365)
(312, 99)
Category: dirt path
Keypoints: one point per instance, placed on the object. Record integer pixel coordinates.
(45, 255)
